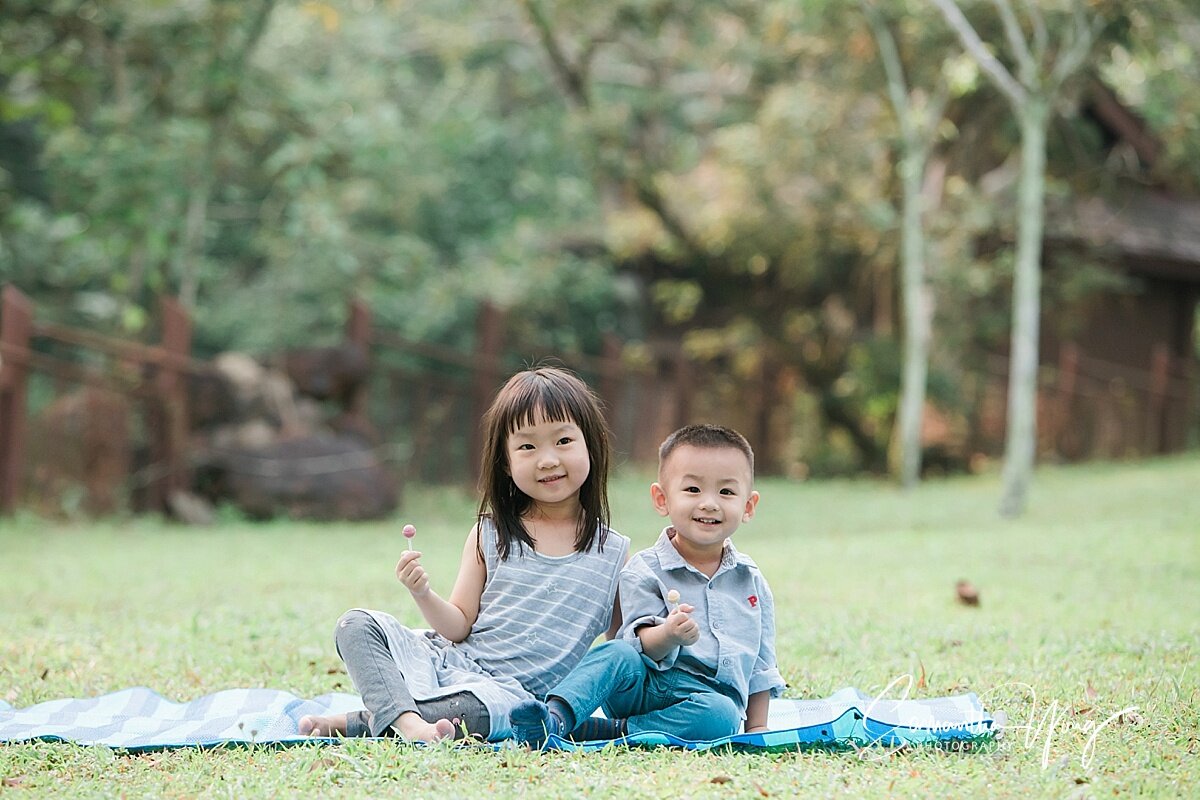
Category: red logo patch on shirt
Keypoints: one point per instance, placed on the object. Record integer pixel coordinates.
(753, 600)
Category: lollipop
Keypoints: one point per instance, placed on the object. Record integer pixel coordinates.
(673, 599)
(409, 532)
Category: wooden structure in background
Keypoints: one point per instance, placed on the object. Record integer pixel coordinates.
(1125, 361)
(152, 375)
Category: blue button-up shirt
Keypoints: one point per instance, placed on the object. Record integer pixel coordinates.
(733, 609)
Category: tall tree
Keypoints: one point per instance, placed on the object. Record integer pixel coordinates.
(1042, 69)
(918, 113)
(226, 73)
(741, 178)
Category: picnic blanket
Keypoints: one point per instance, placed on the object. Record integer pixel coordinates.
(140, 719)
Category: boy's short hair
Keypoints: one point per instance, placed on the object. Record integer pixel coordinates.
(705, 436)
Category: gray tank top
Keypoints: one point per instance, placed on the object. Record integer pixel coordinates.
(539, 614)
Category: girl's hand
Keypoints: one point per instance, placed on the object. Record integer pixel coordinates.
(681, 628)
(410, 572)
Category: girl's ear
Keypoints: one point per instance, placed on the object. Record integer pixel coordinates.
(659, 498)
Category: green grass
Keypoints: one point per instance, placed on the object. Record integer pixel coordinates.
(1089, 606)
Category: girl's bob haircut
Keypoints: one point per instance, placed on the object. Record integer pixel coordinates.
(558, 395)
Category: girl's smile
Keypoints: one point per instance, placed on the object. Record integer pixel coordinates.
(548, 461)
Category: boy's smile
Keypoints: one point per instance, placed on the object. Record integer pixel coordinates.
(706, 492)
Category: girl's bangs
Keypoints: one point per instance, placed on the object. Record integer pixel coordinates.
(540, 397)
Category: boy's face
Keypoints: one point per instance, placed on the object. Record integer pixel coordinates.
(707, 493)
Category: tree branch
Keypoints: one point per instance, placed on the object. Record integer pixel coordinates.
(573, 79)
(889, 54)
(1026, 66)
(1077, 48)
(1041, 39)
(1000, 76)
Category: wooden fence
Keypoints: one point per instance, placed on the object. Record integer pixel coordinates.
(149, 376)
(425, 400)
(429, 398)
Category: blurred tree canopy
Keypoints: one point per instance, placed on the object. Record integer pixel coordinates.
(717, 173)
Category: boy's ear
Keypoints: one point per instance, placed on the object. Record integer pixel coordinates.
(751, 504)
(659, 497)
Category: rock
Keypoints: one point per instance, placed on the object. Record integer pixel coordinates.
(317, 477)
(190, 509)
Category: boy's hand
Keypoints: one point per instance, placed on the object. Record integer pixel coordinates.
(680, 627)
(410, 572)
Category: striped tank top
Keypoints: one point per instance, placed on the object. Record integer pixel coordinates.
(539, 614)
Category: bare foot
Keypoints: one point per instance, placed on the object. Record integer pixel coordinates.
(323, 726)
(413, 728)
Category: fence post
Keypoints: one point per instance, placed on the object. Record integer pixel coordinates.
(1068, 375)
(1160, 366)
(610, 379)
(170, 433)
(489, 339)
(16, 324)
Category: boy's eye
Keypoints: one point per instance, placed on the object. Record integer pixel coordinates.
(692, 489)
(728, 492)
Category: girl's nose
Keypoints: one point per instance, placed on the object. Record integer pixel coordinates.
(547, 460)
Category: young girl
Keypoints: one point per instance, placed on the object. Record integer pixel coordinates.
(536, 584)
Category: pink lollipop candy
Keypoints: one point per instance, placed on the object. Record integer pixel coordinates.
(409, 532)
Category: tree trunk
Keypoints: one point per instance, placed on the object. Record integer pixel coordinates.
(1021, 430)
(917, 317)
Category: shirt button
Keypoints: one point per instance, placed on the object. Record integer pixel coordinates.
(716, 626)
(725, 662)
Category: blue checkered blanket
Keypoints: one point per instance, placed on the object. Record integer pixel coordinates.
(140, 719)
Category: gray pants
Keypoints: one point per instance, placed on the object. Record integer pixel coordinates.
(362, 646)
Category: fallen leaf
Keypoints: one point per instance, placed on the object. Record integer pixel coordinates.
(721, 779)
(45, 672)
(1090, 690)
(13, 782)
(921, 680)
(968, 595)
(763, 792)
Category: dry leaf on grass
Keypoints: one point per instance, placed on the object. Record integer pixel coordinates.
(968, 595)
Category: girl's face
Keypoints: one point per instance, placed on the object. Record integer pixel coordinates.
(549, 462)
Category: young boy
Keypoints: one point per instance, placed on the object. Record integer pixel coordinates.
(696, 653)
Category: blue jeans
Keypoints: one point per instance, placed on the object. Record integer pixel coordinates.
(614, 676)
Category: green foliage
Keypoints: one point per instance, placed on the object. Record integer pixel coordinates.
(722, 174)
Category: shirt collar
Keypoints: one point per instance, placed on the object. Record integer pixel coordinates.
(669, 558)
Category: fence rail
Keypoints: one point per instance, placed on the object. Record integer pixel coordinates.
(151, 374)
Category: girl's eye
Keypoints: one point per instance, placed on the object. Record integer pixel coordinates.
(565, 440)
(525, 446)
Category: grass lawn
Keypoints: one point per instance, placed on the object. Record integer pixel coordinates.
(1090, 605)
